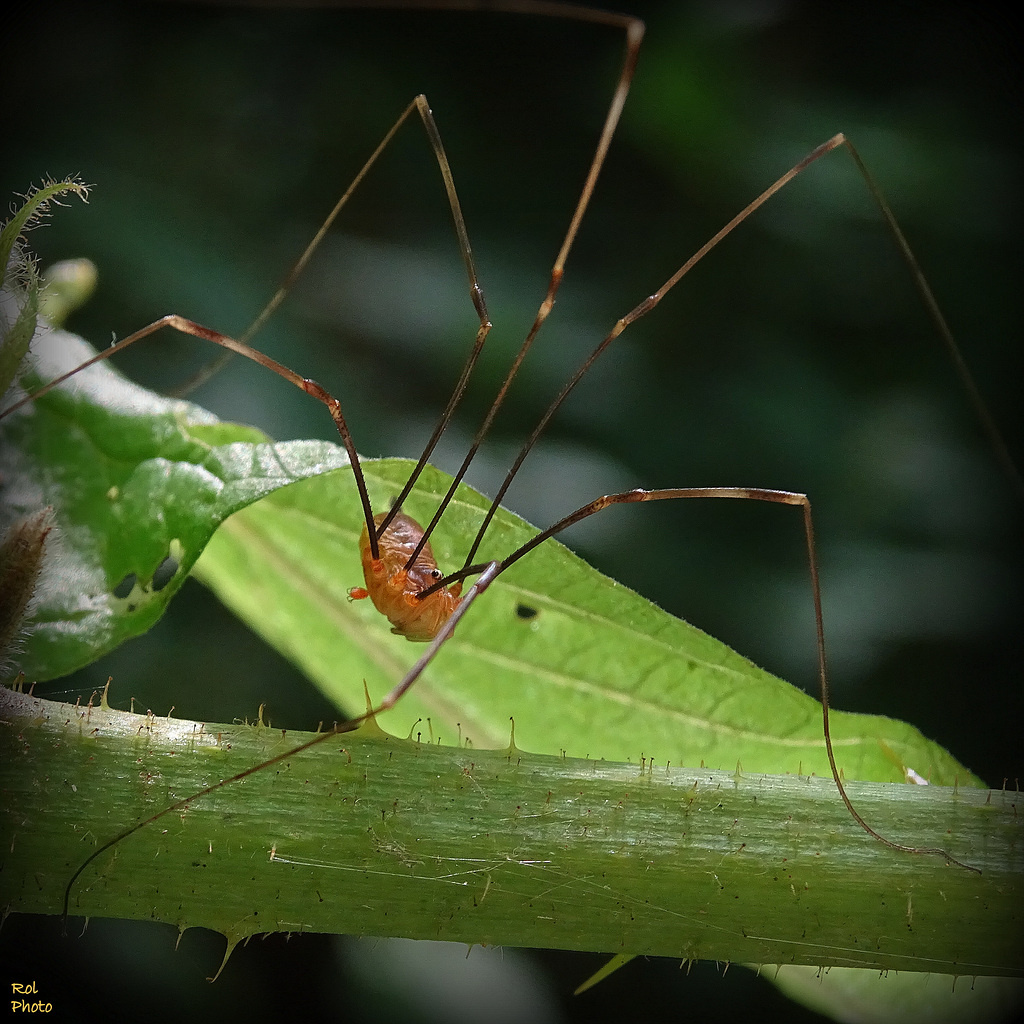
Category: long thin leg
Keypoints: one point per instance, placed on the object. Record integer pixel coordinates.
(634, 31)
(186, 326)
(750, 494)
(476, 294)
(634, 37)
(241, 346)
(487, 576)
(422, 107)
(642, 309)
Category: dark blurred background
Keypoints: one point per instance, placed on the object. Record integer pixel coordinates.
(797, 356)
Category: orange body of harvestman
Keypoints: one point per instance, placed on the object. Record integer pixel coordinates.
(395, 585)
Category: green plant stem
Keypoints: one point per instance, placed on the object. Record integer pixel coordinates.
(372, 835)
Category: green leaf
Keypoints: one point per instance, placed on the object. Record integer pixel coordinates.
(135, 479)
(17, 338)
(597, 672)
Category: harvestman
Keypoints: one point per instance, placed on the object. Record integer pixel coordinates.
(401, 575)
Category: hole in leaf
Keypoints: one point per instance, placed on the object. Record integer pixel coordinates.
(165, 572)
(126, 586)
(524, 611)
